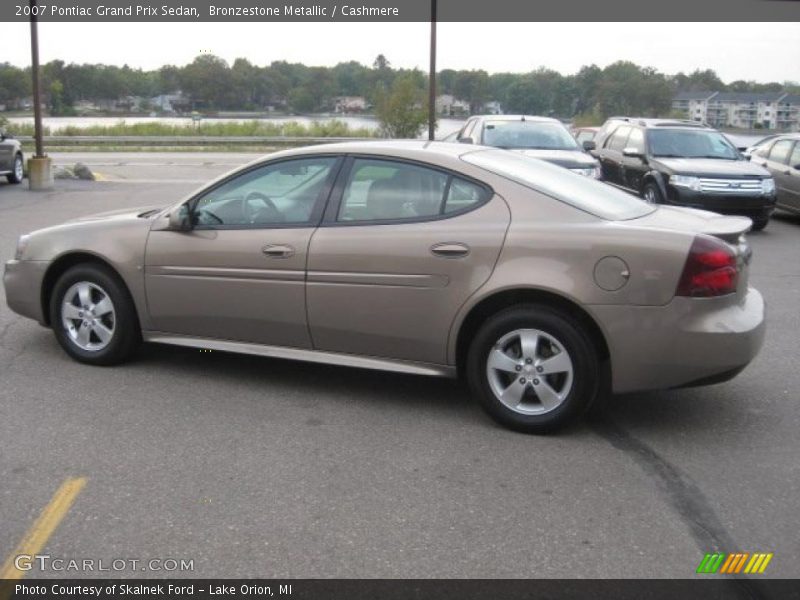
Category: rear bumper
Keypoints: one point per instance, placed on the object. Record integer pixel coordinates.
(22, 280)
(690, 341)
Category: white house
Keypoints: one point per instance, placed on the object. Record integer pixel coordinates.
(349, 104)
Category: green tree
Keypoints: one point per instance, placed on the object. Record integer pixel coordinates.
(402, 111)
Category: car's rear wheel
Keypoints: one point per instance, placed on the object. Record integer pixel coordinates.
(17, 171)
(93, 316)
(651, 193)
(533, 369)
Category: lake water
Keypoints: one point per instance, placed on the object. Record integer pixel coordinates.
(445, 126)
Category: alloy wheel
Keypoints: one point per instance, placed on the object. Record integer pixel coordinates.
(88, 317)
(530, 371)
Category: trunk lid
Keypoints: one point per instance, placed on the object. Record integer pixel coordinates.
(730, 229)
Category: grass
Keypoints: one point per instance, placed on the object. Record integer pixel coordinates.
(252, 128)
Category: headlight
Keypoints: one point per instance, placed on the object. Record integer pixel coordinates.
(767, 186)
(693, 183)
(589, 172)
(22, 243)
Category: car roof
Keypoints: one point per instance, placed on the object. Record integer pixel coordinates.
(665, 122)
(532, 118)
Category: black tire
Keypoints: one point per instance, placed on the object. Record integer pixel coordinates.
(12, 177)
(580, 350)
(651, 190)
(126, 334)
(759, 223)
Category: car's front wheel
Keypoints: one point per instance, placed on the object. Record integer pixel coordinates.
(533, 369)
(93, 316)
(17, 171)
(651, 193)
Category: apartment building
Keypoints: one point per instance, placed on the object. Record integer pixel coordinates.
(747, 110)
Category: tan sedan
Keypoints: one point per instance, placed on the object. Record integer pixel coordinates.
(541, 287)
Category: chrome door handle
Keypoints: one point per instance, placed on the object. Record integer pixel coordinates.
(278, 251)
(450, 249)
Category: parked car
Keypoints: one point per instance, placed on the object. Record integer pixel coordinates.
(585, 134)
(11, 160)
(537, 137)
(781, 157)
(535, 285)
(749, 150)
(686, 164)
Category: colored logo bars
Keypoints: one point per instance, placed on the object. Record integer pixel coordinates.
(720, 562)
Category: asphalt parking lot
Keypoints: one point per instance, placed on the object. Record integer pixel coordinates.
(252, 467)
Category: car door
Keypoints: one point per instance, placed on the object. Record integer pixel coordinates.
(7, 148)
(402, 247)
(633, 168)
(777, 163)
(611, 156)
(790, 192)
(239, 274)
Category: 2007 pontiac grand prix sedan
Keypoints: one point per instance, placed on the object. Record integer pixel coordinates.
(541, 287)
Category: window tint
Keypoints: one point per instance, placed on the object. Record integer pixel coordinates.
(462, 194)
(636, 140)
(619, 138)
(277, 194)
(381, 190)
(780, 151)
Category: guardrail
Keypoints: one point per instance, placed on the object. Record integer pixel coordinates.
(186, 140)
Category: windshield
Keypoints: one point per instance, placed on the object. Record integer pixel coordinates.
(528, 134)
(584, 193)
(685, 143)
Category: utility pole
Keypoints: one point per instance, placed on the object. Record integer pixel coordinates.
(432, 77)
(37, 97)
(40, 176)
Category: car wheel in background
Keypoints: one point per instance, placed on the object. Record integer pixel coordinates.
(17, 171)
(533, 369)
(93, 316)
(651, 193)
(759, 223)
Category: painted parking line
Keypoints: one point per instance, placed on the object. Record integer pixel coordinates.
(41, 530)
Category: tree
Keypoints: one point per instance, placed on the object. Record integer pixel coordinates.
(402, 111)
(472, 86)
(525, 97)
(381, 63)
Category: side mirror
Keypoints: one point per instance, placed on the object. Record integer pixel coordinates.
(633, 152)
(589, 145)
(796, 167)
(466, 140)
(180, 219)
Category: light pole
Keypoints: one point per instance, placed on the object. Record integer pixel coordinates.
(40, 176)
(432, 77)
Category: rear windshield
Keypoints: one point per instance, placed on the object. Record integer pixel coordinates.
(584, 193)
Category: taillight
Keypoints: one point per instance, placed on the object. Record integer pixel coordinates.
(710, 269)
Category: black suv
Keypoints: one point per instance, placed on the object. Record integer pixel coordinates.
(684, 163)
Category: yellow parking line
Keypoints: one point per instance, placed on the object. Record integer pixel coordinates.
(44, 526)
(100, 177)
